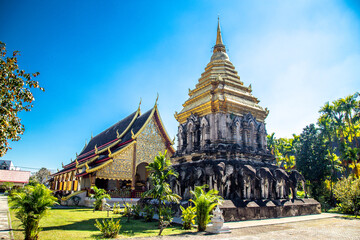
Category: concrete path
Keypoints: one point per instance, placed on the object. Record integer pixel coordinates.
(321, 226)
(4, 224)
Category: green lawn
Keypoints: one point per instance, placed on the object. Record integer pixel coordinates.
(79, 224)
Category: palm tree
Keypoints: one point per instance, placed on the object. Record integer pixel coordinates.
(204, 202)
(99, 195)
(160, 171)
(31, 204)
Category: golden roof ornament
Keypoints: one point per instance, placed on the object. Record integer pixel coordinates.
(87, 167)
(157, 98)
(132, 134)
(96, 150)
(77, 163)
(62, 164)
(109, 151)
(117, 134)
(139, 106)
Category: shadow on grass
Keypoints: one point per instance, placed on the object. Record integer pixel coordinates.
(131, 228)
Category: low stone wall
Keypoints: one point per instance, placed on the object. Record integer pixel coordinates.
(89, 202)
(251, 210)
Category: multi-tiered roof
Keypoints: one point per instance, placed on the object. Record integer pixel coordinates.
(220, 90)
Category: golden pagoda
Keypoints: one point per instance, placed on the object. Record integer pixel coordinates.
(220, 90)
(221, 114)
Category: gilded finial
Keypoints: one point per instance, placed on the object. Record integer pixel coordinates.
(218, 35)
(176, 114)
(62, 164)
(140, 103)
(96, 150)
(77, 163)
(77, 155)
(157, 98)
(189, 90)
(91, 135)
(109, 151)
(250, 88)
(173, 141)
(132, 134)
(87, 167)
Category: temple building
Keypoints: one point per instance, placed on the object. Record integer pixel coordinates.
(116, 158)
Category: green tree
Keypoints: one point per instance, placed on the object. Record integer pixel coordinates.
(283, 149)
(15, 96)
(42, 175)
(311, 159)
(340, 122)
(347, 192)
(99, 195)
(160, 171)
(31, 204)
(204, 203)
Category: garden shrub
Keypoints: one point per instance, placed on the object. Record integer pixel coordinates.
(128, 211)
(149, 213)
(109, 227)
(136, 211)
(31, 204)
(347, 192)
(188, 216)
(204, 203)
(116, 208)
(99, 195)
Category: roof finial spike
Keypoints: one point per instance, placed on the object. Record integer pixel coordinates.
(218, 35)
(139, 108)
(157, 98)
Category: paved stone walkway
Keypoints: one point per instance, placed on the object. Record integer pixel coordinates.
(4, 225)
(320, 227)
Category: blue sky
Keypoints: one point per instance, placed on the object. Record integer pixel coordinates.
(98, 58)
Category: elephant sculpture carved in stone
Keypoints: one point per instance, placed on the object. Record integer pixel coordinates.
(220, 178)
(199, 176)
(209, 175)
(281, 185)
(266, 182)
(248, 177)
(294, 178)
(227, 179)
(174, 184)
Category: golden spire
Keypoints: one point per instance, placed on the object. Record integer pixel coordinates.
(218, 35)
(219, 45)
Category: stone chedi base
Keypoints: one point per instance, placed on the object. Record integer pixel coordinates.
(264, 209)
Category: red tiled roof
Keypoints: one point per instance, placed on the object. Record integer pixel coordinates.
(14, 176)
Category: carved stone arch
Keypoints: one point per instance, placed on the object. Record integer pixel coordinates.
(190, 130)
(262, 136)
(205, 131)
(237, 130)
(181, 137)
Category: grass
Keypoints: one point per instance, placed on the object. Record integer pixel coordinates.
(79, 224)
